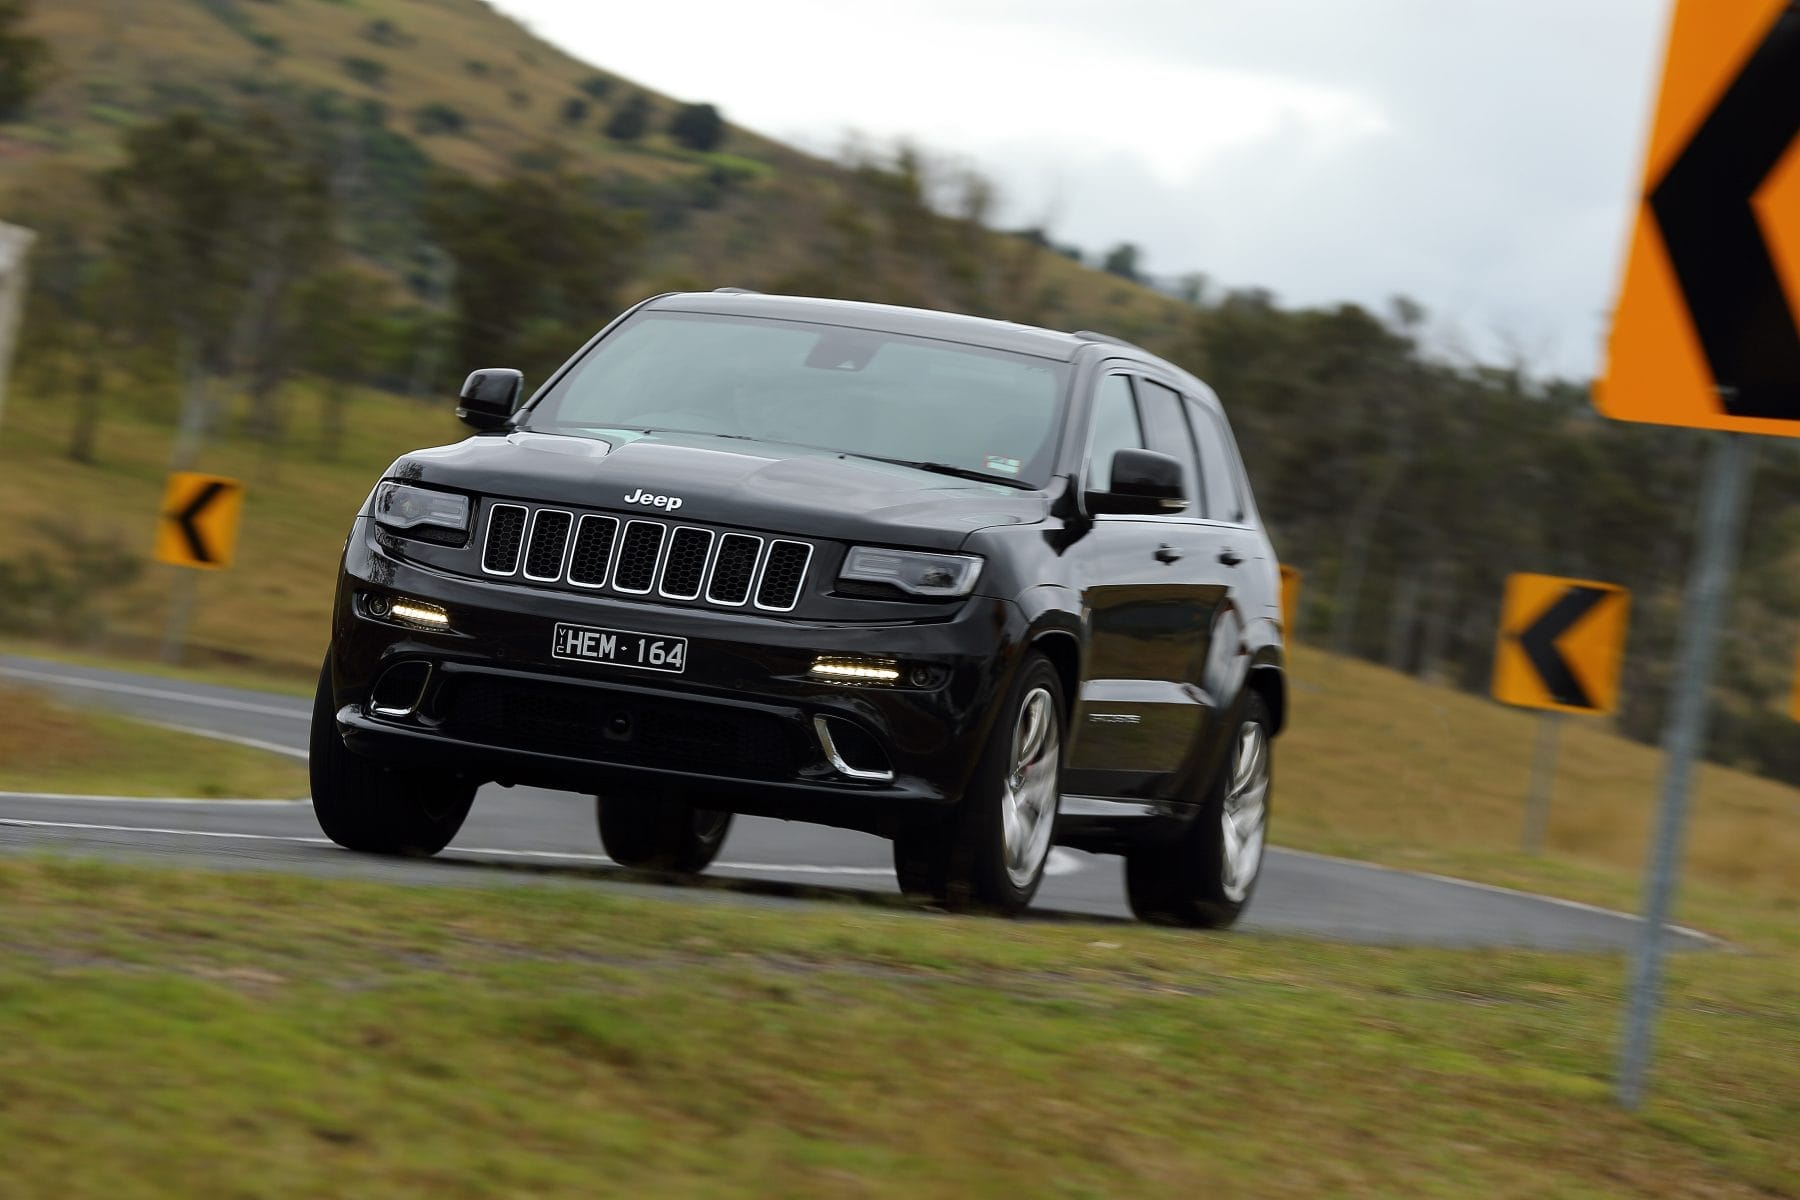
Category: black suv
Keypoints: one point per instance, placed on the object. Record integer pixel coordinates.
(970, 585)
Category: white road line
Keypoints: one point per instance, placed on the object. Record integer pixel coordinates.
(132, 689)
(1577, 905)
(234, 739)
(58, 797)
(486, 851)
(22, 823)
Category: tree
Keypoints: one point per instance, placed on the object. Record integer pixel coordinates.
(631, 121)
(574, 110)
(537, 260)
(1122, 260)
(22, 60)
(698, 127)
(341, 318)
(214, 226)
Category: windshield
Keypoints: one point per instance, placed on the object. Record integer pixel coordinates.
(858, 391)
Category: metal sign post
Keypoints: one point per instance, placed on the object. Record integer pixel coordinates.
(1715, 558)
(1543, 777)
(15, 245)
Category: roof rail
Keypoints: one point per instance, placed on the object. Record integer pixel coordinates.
(738, 291)
(1109, 339)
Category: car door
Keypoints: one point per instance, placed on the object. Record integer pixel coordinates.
(1140, 707)
(1232, 551)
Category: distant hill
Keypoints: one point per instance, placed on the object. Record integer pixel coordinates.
(407, 86)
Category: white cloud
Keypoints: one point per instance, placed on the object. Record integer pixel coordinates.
(1478, 156)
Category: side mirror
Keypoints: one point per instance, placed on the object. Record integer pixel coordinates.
(1143, 482)
(488, 398)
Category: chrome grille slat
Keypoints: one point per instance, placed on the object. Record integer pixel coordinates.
(783, 571)
(642, 556)
(505, 538)
(684, 566)
(595, 537)
(546, 550)
(734, 569)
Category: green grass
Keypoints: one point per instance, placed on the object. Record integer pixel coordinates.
(46, 747)
(354, 1039)
(269, 613)
(1379, 766)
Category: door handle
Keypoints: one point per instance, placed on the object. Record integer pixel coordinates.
(1230, 557)
(1167, 553)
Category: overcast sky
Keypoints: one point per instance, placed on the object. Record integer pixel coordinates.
(1478, 156)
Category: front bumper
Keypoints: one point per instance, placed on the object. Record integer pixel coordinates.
(738, 728)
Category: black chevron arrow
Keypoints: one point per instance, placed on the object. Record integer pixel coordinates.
(1538, 641)
(184, 519)
(1703, 205)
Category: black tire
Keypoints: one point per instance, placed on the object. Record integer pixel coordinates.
(660, 832)
(962, 862)
(1187, 881)
(378, 808)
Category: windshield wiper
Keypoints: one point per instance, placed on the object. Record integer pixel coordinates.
(938, 468)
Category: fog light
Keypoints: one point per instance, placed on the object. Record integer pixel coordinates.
(835, 669)
(419, 613)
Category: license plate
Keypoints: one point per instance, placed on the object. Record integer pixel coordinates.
(620, 648)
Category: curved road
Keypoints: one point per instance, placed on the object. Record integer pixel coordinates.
(524, 834)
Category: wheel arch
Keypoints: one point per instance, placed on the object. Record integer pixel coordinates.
(1269, 681)
(1063, 649)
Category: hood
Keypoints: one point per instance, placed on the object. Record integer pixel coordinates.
(718, 481)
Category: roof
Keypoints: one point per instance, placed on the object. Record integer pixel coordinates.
(888, 318)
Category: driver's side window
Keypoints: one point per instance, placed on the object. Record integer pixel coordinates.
(1115, 428)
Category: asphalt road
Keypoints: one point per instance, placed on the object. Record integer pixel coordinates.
(529, 835)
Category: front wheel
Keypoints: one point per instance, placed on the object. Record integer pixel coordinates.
(374, 807)
(990, 854)
(660, 832)
(1204, 878)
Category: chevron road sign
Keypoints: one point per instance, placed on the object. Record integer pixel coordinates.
(1561, 644)
(1705, 333)
(198, 527)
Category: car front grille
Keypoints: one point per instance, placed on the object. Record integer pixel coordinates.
(624, 727)
(641, 557)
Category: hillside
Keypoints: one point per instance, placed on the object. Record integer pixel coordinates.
(403, 87)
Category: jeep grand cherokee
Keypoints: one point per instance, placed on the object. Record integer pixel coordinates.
(974, 586)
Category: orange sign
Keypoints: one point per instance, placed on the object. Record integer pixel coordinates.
(1561, 644)
(199, 520)
(1705, 332)
(1290, 598)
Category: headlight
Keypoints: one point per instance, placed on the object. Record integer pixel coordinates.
(403, 506)
(913, 571)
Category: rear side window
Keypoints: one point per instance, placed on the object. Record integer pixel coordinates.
(1224, 495)
(1115, 428)
(1166, 431)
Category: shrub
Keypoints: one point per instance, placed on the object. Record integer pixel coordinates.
(631, 121)
(698, 126)
(366, 70)
(439, 118)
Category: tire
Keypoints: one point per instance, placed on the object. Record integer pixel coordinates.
(989, 855)
(375, 807)
(660, 832)
(1206, 876)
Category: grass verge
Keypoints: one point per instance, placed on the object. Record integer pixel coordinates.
(306, 1038)
(46, 747)
(1379, 766)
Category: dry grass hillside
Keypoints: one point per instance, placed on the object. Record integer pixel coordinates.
(473, 91)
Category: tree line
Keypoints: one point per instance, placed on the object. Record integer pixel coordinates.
(230, 255)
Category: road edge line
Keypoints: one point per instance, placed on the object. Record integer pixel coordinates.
(1583, 906)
